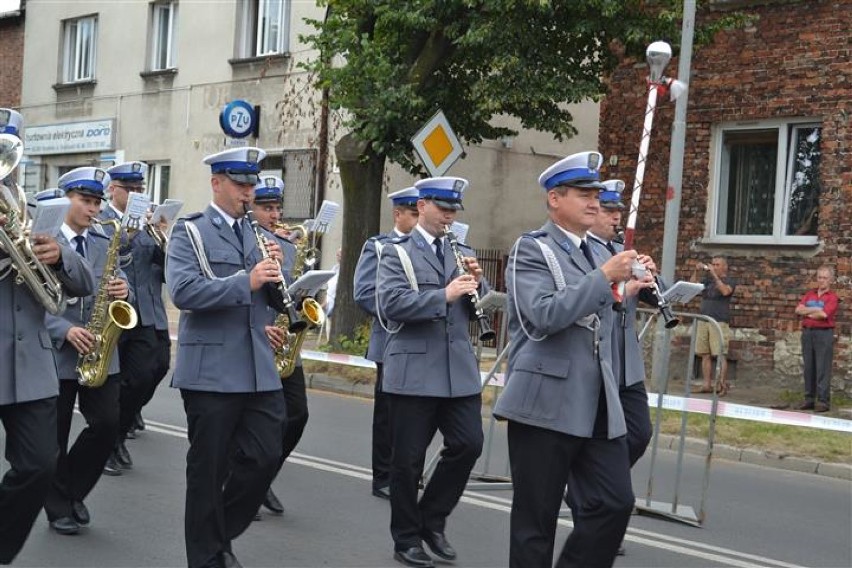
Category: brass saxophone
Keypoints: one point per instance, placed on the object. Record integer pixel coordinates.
(310, 310)
(15, 235)
(109, 319)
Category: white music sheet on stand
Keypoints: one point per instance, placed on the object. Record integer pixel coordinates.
(168, 211)
(136, 212)
(327, 213)
(682, 292)
(49, 216)
(460, 231)
(310, 283)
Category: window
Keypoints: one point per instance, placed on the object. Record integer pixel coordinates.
(79, 47)
(164, 19)
(766, 183)
(158, 181)
(298, 170)
(265, 26)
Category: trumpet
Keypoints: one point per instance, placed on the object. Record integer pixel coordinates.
(486, 333)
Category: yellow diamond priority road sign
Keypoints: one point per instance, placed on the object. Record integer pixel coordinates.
(437, 145)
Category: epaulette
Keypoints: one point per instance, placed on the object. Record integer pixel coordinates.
(535, 234)
(97, 234)
(191, 216)
(380, 237)
(398, 240)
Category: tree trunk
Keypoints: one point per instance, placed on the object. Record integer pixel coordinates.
(361, 174)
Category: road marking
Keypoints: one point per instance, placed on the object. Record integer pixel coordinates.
(695, 549)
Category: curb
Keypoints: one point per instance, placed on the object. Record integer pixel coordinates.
(693, 446)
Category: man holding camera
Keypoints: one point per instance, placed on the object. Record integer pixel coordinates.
(716, 303)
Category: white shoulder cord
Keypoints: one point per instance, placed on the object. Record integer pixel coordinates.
(555, 272)
(403, 257)
(5, 267)
(198, 246)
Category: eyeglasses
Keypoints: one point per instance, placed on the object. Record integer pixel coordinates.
(131, 188)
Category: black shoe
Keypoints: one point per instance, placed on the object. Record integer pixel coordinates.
(230, 561)
(112, 467)
(123, 456)
(382, 492)
(806, 406)
(438, 544)
(80, 513)
(138, 423)
(414, 556)
(272, 503)
(821, 407)
(65, 525)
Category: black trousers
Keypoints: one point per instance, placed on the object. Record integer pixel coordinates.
(296, 403)
(381, 434)
(637, 415)
(818, 356)
(235, 442)
(144, 353)
(80, 466)
(542, 462)
(31, 452)
(414, 421)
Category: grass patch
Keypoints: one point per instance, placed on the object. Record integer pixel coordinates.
(825, 445)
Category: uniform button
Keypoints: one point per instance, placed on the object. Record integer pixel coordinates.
(17, 308)
(20, 337)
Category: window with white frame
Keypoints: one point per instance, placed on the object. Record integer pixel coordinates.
(79, 49)
(265, 27)
(159, 175)
(164, 21)
(767, 184)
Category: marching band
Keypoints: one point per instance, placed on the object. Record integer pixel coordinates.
(574, 400)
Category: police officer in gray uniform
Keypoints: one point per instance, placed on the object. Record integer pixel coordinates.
(28, 382)
(145, 349)
(561, 396)
(405, 214)
(430, 371)
(80, 466)
(268, 194)
(225, 367)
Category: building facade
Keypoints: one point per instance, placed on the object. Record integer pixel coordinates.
(146, 81)
(11, 52)
(767, 179)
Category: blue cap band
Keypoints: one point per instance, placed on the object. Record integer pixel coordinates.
(610, 196)
(235, 168)
(439, 193)
(9, 129)
(87, 184)
(575, 174)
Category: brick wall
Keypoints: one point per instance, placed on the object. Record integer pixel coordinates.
(11, 60)
(794, 61)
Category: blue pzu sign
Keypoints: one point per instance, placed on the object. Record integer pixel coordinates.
(237, 119)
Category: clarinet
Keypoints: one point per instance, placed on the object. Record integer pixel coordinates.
(278, 294)
(669, 319)
(486, 333)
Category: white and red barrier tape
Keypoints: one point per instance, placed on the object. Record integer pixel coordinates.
(696, 405)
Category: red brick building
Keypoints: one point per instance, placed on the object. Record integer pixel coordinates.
(767, 176)
(11, 56)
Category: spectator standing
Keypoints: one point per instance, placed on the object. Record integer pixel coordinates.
(716, 303)
(818, 308)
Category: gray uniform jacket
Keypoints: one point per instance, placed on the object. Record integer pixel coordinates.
(27, 366)
(432, 354)
(79, 313)
(222, 344)
(365, 293)
(555, 383)
(145, 274)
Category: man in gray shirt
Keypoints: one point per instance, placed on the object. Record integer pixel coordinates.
(716, 303)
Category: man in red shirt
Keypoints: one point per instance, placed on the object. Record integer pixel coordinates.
(817, 308)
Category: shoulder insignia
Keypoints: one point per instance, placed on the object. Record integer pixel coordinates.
(398, 240)
(380, 237)
(535, 234)
(191, 216)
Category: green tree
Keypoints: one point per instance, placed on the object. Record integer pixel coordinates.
(389, 65)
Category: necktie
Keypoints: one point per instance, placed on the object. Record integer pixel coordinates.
(439, 250)
(587, 253)
(78, 245)
(611, 248)
(237, 230)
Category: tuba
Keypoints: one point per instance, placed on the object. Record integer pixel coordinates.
(15, 234)
(310, 310)
(109, 319)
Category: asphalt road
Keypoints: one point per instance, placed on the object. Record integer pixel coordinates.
(755, 516)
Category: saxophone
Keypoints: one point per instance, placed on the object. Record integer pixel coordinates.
(109, 319)
(15, 235)
(310, 310)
